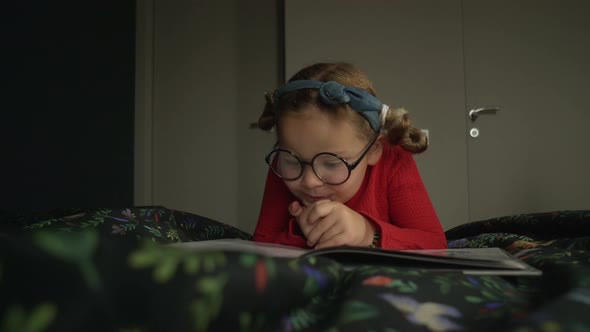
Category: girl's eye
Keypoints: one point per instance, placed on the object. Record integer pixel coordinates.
(332, 164)
(292, 162)
(289, 160)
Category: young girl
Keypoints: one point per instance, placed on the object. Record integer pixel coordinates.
(342, 171)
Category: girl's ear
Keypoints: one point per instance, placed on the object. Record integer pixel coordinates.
(376, 150)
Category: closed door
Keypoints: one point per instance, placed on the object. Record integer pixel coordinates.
(440, 59)
(531, 60)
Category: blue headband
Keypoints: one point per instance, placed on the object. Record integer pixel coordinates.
(333, 93)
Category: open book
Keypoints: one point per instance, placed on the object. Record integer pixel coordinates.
(472, 261)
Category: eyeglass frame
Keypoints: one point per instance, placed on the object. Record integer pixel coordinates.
(349, 166)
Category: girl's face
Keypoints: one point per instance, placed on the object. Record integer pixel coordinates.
(311, 132)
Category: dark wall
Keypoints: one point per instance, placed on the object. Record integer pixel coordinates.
(68, 124)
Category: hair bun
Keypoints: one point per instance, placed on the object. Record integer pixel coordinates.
(415, 141)
(400, 131)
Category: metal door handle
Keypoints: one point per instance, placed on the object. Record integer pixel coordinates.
(474, 113)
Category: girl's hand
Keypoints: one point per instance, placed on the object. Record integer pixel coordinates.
(327, 223)
(301, 213)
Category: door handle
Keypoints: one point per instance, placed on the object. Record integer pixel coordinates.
(474, 113)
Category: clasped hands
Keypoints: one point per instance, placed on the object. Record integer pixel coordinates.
(327, 223)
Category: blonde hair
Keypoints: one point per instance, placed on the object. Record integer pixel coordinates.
(396, 125)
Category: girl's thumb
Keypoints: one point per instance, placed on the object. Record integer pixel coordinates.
(295, 209)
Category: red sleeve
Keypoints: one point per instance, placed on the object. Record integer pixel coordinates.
(406, 221)
(275, 223)
(412, 221)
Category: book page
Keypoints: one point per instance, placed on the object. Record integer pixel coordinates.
(476, 261)
(239, 245)
(486, 254)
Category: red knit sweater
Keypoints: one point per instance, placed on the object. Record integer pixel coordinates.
(392, 196)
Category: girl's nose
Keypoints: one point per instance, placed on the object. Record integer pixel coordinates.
(309, 179)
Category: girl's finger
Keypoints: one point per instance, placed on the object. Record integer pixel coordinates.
(319, 210)
(295, 209)
(320, 228)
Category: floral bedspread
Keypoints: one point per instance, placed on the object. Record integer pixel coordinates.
(108, 270)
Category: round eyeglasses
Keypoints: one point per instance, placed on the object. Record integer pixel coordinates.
(328, 167)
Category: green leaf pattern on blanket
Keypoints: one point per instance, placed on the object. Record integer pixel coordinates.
(219, 290)
(206, 308)
(252, 322)
(38, 320)
(74, 248)
(156, 223)
(165, 260)
(355, 311)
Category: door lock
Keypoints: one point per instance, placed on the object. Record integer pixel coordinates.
(474, 132)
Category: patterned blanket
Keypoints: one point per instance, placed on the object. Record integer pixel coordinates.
(108, 270)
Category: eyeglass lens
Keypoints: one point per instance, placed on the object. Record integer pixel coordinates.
(326, 166)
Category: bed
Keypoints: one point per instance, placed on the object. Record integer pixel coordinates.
(109, 270)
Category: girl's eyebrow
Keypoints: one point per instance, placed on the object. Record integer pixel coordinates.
(342, 154)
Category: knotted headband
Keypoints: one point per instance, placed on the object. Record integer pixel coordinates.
(333, 93)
